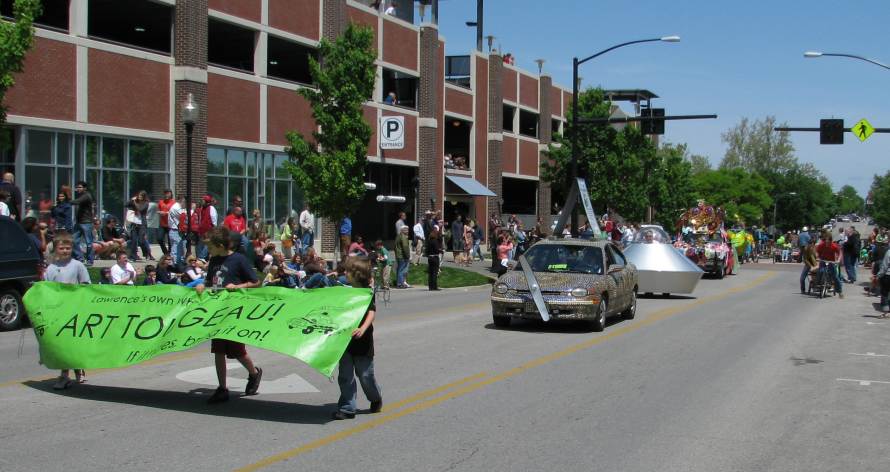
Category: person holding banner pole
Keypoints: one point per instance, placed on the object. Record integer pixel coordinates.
(66, 270)
(229, 270)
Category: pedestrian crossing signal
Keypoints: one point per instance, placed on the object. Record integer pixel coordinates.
(831, 131)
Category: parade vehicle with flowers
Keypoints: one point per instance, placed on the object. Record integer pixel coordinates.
(704, 241)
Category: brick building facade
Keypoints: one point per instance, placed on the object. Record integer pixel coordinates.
(101, 94)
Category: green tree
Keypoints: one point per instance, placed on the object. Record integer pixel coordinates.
(16, 38)
(756, 147)
(699, 164)
(622, 165)
(672, 184)
(745, 196)
(330, 168)
(847, 201)
(880, 199)
(812, 202)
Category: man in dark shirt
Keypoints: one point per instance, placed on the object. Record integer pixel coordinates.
(229, 270)
(83, 219)
(15, 196)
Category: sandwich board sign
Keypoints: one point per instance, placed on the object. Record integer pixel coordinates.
(392, 132)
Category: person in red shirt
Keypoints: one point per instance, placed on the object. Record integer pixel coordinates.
(235, 221)
(164, 206)
(830, 252)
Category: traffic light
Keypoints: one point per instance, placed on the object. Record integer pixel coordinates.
(831, 131)
(652, 126)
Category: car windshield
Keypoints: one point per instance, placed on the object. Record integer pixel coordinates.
(565, 258)
(649, 235)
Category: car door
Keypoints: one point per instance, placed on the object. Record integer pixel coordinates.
(619, 272)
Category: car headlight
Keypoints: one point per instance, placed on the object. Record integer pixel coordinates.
(579, 292)
(501, 288)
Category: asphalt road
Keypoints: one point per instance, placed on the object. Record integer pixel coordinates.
(746, 375)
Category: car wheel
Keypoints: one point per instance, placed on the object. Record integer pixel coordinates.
(11, 309)
(599, 323)
(501, 321)
(721, 270)
(631, 311)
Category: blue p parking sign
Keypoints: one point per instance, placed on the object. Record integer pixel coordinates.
(392, 132)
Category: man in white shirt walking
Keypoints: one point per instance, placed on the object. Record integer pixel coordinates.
(177, 246)
(419, 238)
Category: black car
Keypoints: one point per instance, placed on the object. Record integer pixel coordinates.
(19, 264)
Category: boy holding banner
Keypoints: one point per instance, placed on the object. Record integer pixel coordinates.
(229, 270)
(66, 270)
(358, 360)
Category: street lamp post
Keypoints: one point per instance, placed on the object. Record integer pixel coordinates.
(191, 112)
(815, 54)
(575, 85)
(776, 206)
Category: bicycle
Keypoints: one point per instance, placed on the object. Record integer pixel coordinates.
(822, 280)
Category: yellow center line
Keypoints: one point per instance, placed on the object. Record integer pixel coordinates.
(381, 420)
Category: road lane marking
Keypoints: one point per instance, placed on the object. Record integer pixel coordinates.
(292, 383)
(868, 354)
(432, 392)
(92, 373)
(864, 382)
(417, 407)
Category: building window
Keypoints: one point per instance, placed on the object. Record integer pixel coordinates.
(289, 61)
(7, 150)
(508, 118)
(457, 143)
(229, 45)
(528, 123)
(140, 23)
(554, 127)
(54, 14)
(457, 70)
(520, 196)
(399, 89)
(114, 168)
(260, 179)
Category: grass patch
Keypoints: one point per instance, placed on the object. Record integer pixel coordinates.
(450, 277)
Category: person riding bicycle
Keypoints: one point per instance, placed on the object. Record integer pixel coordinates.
(829, 251)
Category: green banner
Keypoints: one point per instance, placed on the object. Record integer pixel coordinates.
(104, 326)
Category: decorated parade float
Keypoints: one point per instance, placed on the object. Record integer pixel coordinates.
(703, 239)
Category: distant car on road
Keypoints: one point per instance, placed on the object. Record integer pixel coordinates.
(18, 270)
(580, 280)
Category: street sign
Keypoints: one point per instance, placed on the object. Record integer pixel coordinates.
(392, 132)
(863, 129)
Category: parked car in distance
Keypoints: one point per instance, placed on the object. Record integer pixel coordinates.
(18, 270)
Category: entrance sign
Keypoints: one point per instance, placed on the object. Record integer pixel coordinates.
(392, 132)
(105, 326)
(863, 129)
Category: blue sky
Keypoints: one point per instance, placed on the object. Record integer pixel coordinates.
(736, 59)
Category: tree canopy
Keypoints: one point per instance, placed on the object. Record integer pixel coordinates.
(847, 201)
(330, 168)
(745, 196)
(880, 199)
(626, 172)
